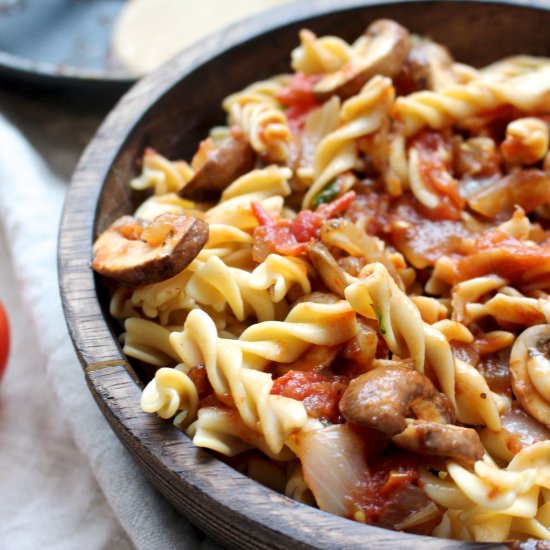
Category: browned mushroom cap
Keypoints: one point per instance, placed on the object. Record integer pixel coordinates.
(432, 438)
(429, 66)
(382, 399)
(386, 47)
(135, 253)
(222, 166)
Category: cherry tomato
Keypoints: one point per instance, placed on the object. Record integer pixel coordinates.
(4, 339)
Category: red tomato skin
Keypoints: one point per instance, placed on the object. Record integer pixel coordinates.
(299, 91)
(320, 392)
(298, 99)
(4, 339)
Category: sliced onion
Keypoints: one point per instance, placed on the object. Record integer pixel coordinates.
(524, 427)
(334, 466)
(430, 512)
(528, 189)
(519, 430)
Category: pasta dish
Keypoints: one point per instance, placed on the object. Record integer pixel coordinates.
(345, 293)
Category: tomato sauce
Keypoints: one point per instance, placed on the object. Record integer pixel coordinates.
(500, 254)
(319, 391)
(423, 236)
(391, 492)
(199, 377)
(375, 207)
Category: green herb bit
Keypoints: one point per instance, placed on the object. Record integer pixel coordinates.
(328, 194)
(378, 319)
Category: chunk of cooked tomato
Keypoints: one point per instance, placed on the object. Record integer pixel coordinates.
(298, 98)
(289, 237)
(423, 237)
(391, 493)
(320, 392)
(501, 254)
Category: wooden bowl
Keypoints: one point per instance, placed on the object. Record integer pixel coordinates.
(171, 110)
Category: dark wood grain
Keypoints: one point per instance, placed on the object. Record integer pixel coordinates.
(171, 111)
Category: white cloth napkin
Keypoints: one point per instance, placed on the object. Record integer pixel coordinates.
(65, 479)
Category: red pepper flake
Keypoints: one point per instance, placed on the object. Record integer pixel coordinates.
(337, 206)
(262, 215)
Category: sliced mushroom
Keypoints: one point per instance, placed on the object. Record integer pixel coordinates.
(385, 49)
(429, 66)
(222, 166)
(382, 398)
(530, 371)
(134, 253)
(327, 268)
(432, 438)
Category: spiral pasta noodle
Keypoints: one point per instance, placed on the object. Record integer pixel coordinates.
(170, 391)
(256, 111)
(161, 174)
(530, 369)
(279, 274)
(359, 116)
(319, 55)
(438, 110)
(377, 296)
(501, 500)
(219, 286)
(228, 364)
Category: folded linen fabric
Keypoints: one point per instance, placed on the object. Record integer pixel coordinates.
(70, 481)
